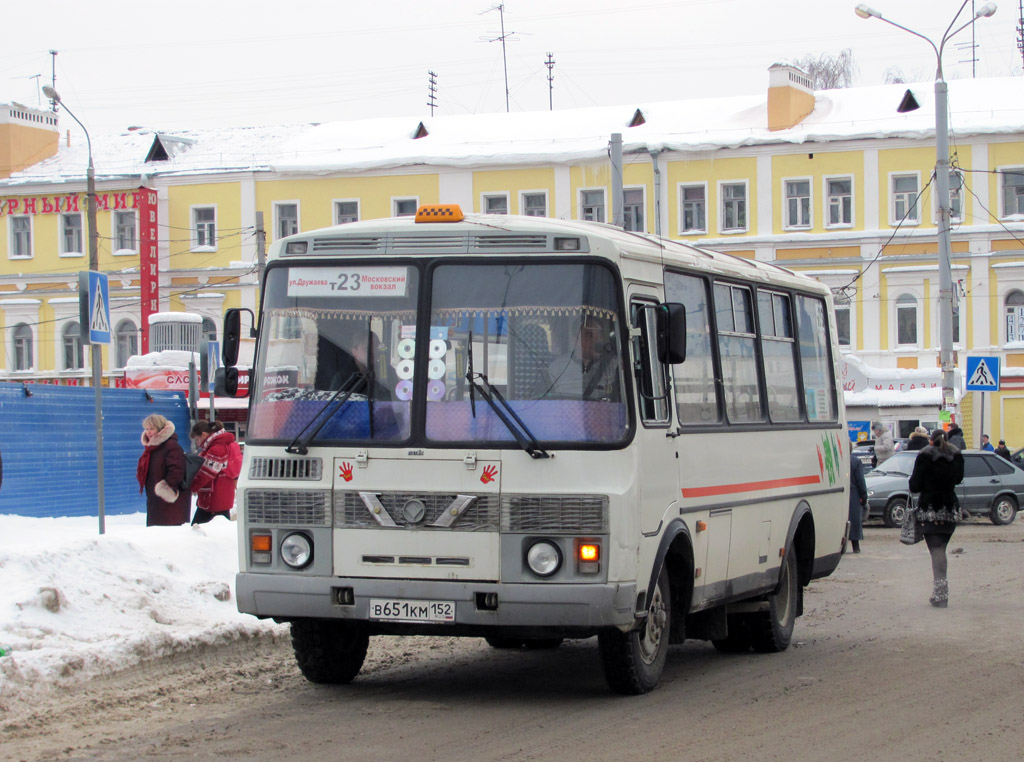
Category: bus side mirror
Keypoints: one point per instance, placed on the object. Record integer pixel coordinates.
(232, 337)
(225, 382)
(671, 330)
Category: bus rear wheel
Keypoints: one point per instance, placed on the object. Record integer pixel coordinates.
(772, 630)
(328, 650)
(633, 661)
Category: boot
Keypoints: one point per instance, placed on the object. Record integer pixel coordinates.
(940, 594)
(856, 546)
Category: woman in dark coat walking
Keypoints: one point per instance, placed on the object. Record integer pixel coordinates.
(939, 467)
(160, 471)
(918, 439)
(858, 502)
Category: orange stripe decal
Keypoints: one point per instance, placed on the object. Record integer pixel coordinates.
(732, 489)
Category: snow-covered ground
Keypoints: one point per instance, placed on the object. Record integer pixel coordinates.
(74, 603)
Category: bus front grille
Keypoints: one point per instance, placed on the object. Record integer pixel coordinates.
(554, 513)
(305, 469)
(288, 507)
(350, 510)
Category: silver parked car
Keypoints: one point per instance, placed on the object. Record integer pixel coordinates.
(991, 487)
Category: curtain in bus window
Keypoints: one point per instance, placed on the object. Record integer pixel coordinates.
(738, 353)
(696, 400)
(819, 388)
(779, 360)
(546, 336)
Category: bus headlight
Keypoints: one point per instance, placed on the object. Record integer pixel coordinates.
(297, 550)
(544, 558)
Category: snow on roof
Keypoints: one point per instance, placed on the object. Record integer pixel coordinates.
(175, 317)
(977, 107)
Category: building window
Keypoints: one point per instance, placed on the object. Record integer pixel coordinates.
(345, 212)
(906, 320)
(21, 237)
(204, 227)
(71, 340)
(904, 199)
(798, 203)
(843, 324)
(839, 198)
(592, 205)
(405, 207)
(633, 210)
(535, 204)
(127, 336)
(495, 204)
(21, 340)
(1013, 192)
(1013, 309)
(693, 199)
(956, 197)
(71, 233)
(734, 207)
(286, 220)
(124, 231)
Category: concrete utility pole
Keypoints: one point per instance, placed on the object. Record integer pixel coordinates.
(261, 248)
(942, 190)
(615, 152)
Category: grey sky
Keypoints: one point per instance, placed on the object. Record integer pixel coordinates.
(198, 64)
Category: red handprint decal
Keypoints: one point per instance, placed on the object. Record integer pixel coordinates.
(489, 473)
(346, 471)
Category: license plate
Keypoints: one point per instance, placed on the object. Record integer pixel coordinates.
(398, 610)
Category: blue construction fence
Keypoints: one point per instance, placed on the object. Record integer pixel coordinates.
(48, 445)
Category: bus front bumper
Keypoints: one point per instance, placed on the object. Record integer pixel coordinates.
(584, 607)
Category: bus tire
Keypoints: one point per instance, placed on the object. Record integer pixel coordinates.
(772, 630)
(633, 661)
(328, 650)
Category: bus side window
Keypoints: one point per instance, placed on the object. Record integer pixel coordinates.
(651, 375)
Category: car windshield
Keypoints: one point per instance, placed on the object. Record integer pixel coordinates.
(900, 464)
(546, 337)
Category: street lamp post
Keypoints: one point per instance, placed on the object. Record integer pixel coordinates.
(95, 351)
(942, 187)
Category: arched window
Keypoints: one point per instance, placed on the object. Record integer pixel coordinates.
(71, 340)
(127, 341)
(906, 320)
(1013, 309)
(22, 347)
(209, 330)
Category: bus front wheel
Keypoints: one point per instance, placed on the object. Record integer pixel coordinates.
(633, 661)
(329, 650)
(772, 630)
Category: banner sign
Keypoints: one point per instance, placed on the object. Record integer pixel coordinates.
(149, 259)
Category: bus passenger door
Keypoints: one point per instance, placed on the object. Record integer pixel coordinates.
(657, 473)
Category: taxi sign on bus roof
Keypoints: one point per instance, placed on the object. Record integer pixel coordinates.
(439, 213)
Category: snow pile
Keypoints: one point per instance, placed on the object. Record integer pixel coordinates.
(75, 603)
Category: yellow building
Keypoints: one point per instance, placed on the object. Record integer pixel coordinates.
(836, 184)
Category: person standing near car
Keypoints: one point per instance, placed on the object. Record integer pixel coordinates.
(884, 445)
(1003, 451)
(986, 444)
(918, 439)
(858, 502)
(939, 467)
(955, 436)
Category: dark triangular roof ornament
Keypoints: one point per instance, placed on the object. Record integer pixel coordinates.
(421, 132)
(909, 103)
(638, 119)
(167, 146)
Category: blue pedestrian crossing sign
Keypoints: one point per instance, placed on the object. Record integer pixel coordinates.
(983, 374)
(94, 306)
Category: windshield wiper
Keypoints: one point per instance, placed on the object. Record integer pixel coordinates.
(478, 383)
(339, 398)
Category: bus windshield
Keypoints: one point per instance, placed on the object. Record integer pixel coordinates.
(545, 336)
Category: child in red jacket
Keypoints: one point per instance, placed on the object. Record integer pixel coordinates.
(222, 463)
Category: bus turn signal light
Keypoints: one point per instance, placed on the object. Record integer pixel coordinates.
(261, 543)
(260, 546)
(590, 553)
(439, 213)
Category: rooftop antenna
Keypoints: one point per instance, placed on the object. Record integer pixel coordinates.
(500, 8)
(971, 46)
(53, 79)
(36, 78)
(1020, 30)
(432, 88)
(550, 63)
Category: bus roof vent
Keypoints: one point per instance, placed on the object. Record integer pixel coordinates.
(510, 242)
(450, 243)
(367, 244)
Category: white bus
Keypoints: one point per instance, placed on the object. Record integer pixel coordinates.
(526, 430)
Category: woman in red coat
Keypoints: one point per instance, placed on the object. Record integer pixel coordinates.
(222, 463)
(160, 471)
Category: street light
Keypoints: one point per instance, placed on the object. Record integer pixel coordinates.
(942, 186)
(95, 351)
